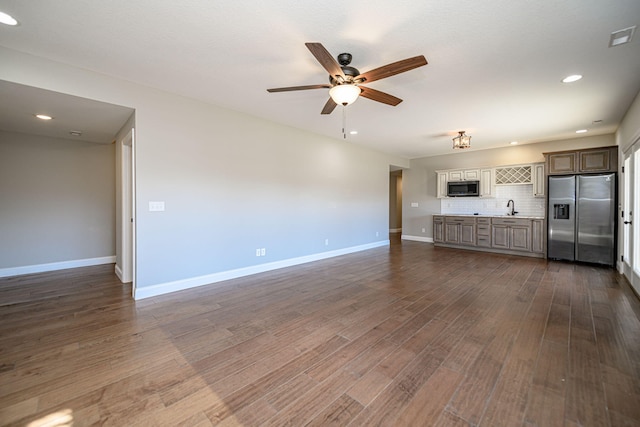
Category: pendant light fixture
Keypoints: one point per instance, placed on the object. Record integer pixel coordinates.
(461, 141)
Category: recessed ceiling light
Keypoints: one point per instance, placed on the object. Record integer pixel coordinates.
(581, 131)
(7, 19)
(621, 36)
(514, 143)
(43, 117)
(353, 132)
(572, 78)
(75, 133)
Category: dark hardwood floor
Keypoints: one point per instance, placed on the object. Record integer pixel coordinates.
(406, 335)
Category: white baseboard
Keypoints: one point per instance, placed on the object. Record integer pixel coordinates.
(417, 238)
(41, 268)
(178, 285)
(118, 272)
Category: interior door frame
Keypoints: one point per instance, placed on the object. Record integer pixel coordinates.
(630, 265)
(128, 211)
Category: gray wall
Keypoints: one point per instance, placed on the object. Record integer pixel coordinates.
(57, 200)
(419, 181)
(231, 183)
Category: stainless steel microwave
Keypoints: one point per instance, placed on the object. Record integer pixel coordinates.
(463, 188)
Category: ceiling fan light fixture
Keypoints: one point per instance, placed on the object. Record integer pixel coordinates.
(344, 94)
(461, 141)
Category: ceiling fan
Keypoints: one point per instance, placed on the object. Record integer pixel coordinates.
(345, 82)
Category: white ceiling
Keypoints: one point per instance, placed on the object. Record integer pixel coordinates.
(494, 66)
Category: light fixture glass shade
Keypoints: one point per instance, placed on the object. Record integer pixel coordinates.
(344, 94)
(461, 141)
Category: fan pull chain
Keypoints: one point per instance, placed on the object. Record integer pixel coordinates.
(344, 122)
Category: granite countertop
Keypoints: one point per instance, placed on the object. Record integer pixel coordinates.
(495, 216)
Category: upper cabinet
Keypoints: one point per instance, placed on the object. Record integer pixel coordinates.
(485, 176)
(603, 159)
(464, 175)
(487, 180)
(538, 179)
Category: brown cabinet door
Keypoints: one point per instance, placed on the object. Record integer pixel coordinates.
(559, 163)
(438, 231)
(520, 238)
(452, 233)
(468, 234)
(537, 236)
(595, 160)
(500, 236)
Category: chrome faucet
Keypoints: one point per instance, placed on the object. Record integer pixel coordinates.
(512, 204)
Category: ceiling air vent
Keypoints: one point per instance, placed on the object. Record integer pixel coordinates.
(621, 36)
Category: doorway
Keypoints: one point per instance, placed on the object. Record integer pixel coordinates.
(630, 227)
(395, 201)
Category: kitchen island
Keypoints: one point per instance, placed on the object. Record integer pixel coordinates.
(506, 234)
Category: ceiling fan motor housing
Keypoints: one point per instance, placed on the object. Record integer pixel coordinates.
(344, 59)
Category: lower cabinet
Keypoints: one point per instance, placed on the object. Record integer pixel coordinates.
(511, 234)
(438, 229)
(460, 230)
(483, 232)
(518, 236)
(537, 236)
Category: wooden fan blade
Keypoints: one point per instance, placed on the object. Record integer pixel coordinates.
(325, 59)
(288, 89)
(329, 107)
(376, 95)
(392, 69)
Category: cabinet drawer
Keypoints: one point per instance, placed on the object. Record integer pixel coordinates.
(459, 220)
(484, 220)
(483, 230)
(511, 221)
(438, 218)
(484, 241)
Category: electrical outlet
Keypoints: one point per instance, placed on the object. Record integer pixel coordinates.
(258, 252)
(326, 242)
(424, 229)
(263, 252)
(377, 233)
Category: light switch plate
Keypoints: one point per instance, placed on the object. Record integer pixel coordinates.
(156, 206)
(414, 204)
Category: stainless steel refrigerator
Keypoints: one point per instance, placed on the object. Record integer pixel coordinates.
(581, 218)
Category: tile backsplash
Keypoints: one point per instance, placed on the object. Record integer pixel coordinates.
(521, 194)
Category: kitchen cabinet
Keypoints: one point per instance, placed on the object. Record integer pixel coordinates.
(460, 230)
(561, 163)
(438, 229)
(485, 176)
(509, 175)
(483, 232)
(511, 234)
(598, 160)
(508, 235)
(487, 183)
(602, 159)
(442, 178)
(538, 180)
(537, 236)
(464, 175)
